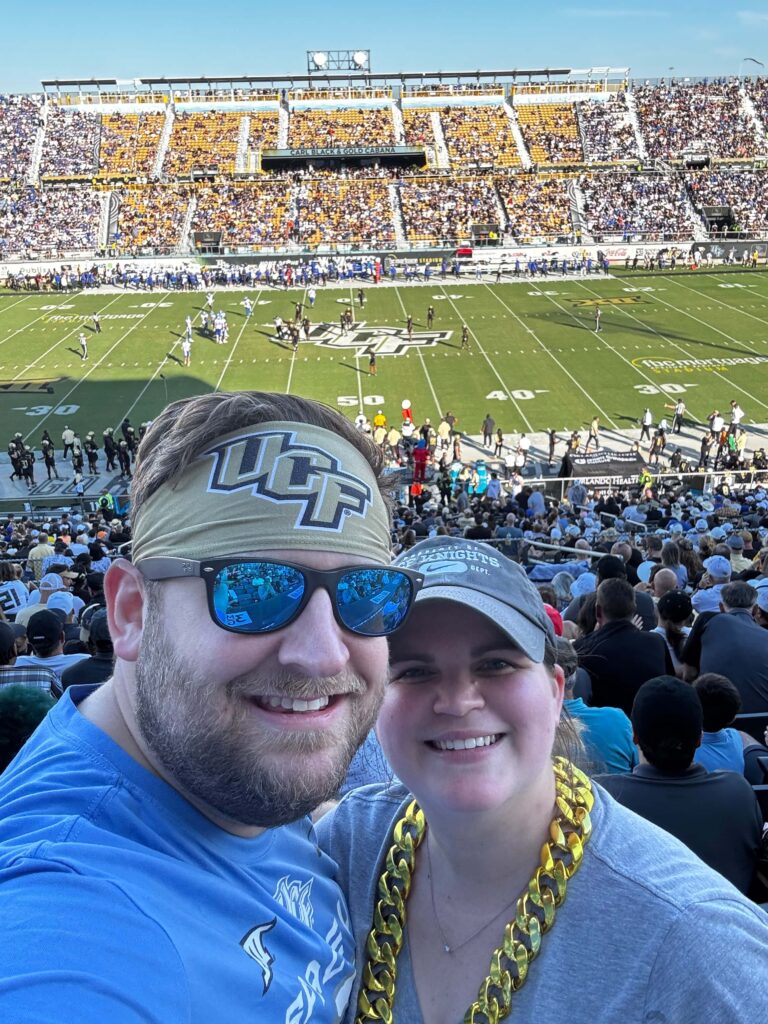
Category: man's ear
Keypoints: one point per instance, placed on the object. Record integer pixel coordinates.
(126, 600)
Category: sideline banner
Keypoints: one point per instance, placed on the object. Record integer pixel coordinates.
(608, 467)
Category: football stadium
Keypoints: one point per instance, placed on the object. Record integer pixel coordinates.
(385, 449)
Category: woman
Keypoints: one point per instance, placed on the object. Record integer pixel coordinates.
(675, 612)
(670, 559)
(468, 723)
(498, 448)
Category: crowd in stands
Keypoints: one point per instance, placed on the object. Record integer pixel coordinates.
(607, 131)
(537, 207)
(129, 143)
(418, 127)
(247, 214)
(263, 129)
(551, 132)
(151, 215)
(47, 222)
(337, 211)
(479, 136)
(345, 126)
(19, 120)
(445, 208)
(202, 140)
(746, 192)
(71, 144)
(675, 117)
(626, 204)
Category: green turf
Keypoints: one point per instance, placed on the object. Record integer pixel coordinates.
(533, 361)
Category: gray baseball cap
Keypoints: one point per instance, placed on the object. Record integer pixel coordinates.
(477, 576)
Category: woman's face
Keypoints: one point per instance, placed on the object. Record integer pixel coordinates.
(468, 721)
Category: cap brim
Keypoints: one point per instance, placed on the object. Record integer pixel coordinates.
(516, 626)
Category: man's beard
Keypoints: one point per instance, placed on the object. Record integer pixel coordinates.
(206, 736)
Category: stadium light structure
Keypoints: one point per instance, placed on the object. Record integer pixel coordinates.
(319, 61)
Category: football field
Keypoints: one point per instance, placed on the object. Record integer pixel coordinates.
(534, 359)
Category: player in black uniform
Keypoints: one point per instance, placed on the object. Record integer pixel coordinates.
(430, 315)
(464, 336)
(110, 448)
(409, 326)
(49, 459)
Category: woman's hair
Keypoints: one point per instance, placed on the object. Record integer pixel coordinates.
(689, 558)
(547, 592)
(561, 584)
(7, 571)
(720, 700)
(586, 619)
(670, 555)
(675, 610)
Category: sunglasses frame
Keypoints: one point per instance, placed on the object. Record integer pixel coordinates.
(168, 567)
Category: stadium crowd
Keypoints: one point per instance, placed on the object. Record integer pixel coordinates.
(675, 117)
(20, 117)
(71, 144)
(341, 211)
(202, 141)
(129, 143)
(607, 130)
(341, 127)
(246, 214)
(745, 192)
(628, 204)
(444, 208)
(537, 207)
(551, 132)
(48, 222)
(479, 137)
(151, 215)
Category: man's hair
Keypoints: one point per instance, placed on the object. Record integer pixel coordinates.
(611, 567)
(653, 543)
(720, 700)
(738, 595)
(616, 600)
(22, 708)
(183, 429)
(667, 721)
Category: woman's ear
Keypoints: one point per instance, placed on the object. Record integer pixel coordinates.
(126, 600)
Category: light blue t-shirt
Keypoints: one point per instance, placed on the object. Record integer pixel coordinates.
(607, 736)
(721, 751)
(127, 906)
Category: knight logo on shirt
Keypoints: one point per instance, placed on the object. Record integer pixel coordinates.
(278, 468)
(295, 897)
(253, 944)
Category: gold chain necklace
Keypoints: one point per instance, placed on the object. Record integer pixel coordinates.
(535, 911)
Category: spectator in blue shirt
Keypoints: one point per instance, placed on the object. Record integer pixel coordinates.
(722, 748)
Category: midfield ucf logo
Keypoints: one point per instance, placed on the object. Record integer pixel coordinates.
(274, 466)
(383, 341)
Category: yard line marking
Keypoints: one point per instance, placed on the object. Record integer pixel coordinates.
(647, 327)
(77, 327)
(94, 367)
(421, 358)
(160, 366)
(295, 351)
(727, 305)
(555, 359)
(4, 309)
(357, 358)
(482, 351)
(685, 351)
(41, 317)
(234, 347)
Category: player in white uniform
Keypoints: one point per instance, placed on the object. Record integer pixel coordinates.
(209, 300)
(186, 351)
(248, 306)
(83, 345)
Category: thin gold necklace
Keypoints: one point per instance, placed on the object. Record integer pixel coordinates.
(447, 947)
(534, 915)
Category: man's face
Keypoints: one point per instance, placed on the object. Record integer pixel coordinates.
(219, 713)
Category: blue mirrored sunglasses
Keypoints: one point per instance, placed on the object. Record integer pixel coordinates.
(262, 596)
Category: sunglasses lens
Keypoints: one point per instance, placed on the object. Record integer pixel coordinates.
(374, 602)
(257, 597)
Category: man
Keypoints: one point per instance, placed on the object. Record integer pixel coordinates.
(96, 320)
(227, 716)
(37, 554)
(738, 562)
(45, 633)
(737, 415)
(12, 674)
(594, 433)
(488, 428)
(598, 314)
(186, 351)
(731, 643)
(646, 422)
(83, 346)
(681, 797)
(68, 440)
(618, 656)
(430, 316)
(607, 732)
(97, 667)
(707, 596)
(464, 336)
